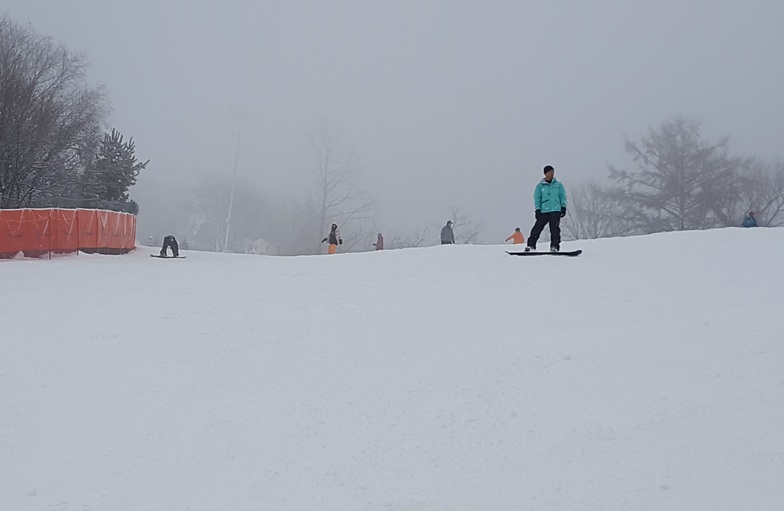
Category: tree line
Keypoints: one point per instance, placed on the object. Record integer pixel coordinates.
(677, 181)
(54, 150)
(295, 225)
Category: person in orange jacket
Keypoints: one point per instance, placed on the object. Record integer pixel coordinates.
(517, 236)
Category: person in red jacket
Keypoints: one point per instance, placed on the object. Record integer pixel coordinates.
(516, 236)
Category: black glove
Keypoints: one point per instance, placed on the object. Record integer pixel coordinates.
(325, 239)
(340, 241)
(563, 211)
(537, 213)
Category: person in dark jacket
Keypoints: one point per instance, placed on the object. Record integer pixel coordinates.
(550, 207)
(334, 239)
(379, 244)
(447, 235)
(750, 220)
(170, 242)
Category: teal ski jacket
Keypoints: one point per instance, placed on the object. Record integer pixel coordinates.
(549, 197)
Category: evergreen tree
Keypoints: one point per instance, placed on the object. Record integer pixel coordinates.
(115, 168)
(681, 181)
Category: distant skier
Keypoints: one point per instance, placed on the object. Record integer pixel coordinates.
(550, 206)
(334, 239)
(447, 235)
(170, 242)
(184, 244)
(516, 237)
(379, 244)
(750, 220)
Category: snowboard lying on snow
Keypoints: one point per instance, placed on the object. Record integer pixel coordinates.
(573, 253)
(167, 256)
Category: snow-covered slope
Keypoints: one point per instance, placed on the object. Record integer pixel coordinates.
(646, 374)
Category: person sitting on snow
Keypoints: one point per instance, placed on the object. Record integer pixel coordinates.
(750, 220)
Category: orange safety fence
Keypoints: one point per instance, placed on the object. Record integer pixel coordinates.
(35, 232)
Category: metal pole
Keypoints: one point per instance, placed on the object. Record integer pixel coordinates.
(233, 183)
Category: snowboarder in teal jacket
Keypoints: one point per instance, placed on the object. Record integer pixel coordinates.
(550, 206)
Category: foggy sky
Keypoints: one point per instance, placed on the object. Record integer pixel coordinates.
(443, 102)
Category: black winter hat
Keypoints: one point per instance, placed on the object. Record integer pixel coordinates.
(548, 168)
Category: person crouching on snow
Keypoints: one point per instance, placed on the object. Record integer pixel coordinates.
(750, 220)
(170, 242)
(334, 239)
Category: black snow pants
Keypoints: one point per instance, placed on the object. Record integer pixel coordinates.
(170, 241)
(554, 219)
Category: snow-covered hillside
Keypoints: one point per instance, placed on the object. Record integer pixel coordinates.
(647, 374)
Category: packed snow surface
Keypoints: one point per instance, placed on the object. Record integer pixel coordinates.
(646, 374)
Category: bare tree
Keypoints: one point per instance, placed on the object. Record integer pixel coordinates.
(681, 182)
(761, 190)
(421, 236)
(49, 118)
(466, 230)
(338, 197)
(592, 215)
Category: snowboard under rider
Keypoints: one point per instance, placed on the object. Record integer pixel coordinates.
(334, 239)
(550, 207)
